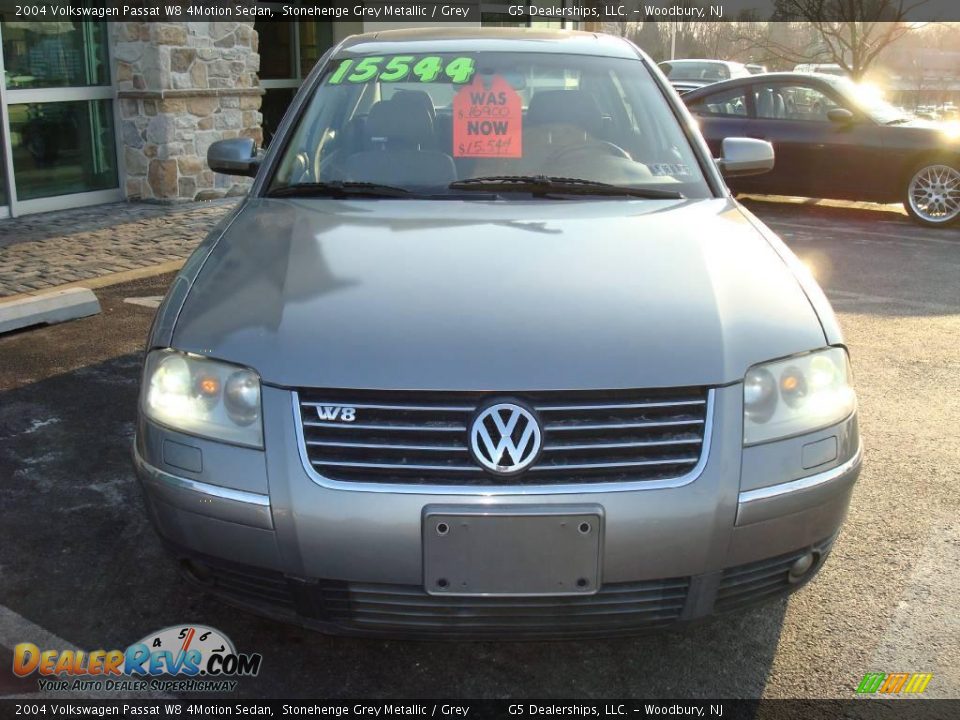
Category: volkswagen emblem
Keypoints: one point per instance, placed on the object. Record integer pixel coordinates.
(505, 438)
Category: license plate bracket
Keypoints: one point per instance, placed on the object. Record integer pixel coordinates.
(512, 551)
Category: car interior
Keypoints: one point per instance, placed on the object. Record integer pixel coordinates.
(712, 71)
(724, 103)
(777, 103)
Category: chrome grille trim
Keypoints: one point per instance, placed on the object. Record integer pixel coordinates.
(394, 466)
(613, 446)
(386, 428)
(410, 408)
(625, 464)
(555, 427)
(385, 446)
(689, 464)
(612, 406)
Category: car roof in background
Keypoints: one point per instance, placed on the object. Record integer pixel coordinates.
(699, 60)
(763, 77)
(491, 39)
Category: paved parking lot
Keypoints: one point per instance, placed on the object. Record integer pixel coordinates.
(39, 252)
(80, 564)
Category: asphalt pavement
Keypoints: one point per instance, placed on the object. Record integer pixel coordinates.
(79, 564)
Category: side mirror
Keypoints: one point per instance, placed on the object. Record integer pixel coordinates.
(236, 156)
(745, 156)
(840, 116)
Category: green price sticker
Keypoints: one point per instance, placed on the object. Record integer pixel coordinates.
(399, 68)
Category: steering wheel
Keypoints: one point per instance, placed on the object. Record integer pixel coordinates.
(598, 146)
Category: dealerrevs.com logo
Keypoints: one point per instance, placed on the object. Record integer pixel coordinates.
(180, 658)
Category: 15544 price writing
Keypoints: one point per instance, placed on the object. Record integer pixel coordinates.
(400, 68)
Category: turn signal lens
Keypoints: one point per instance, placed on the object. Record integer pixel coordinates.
(209, 386)
(793, 386)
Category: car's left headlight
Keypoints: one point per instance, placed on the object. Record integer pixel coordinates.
(199, 396)
(796, 395)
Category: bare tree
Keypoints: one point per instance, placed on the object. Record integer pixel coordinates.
(779, 45)
(850, 33)
(918, 72)
(715, 40)
(622, 28)
(652, 37)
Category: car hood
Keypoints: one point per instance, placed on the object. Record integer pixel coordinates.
(921, 123)
(508, 295)
(941, 129)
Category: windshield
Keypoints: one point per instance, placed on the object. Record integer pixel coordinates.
(696, 70)
(868, 99)
(421, 124)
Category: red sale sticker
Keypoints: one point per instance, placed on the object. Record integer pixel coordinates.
(487, 120)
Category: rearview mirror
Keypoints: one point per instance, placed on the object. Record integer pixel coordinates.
(840, 116)
(236, 156)
(745, 156)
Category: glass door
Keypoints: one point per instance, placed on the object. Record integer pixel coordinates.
(58, 116)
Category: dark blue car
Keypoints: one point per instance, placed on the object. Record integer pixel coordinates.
(835, 139)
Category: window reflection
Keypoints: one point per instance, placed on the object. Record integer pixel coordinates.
(273, 106)
(62, 147)
(276, 50)
(315, 38)
(54, 54)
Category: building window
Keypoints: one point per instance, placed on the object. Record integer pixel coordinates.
(54, 54)
(288, 51)
(315, 39)
(495, 14)
(58, 111)
(61, 148)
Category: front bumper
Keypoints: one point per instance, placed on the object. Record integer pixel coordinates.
(258, 529)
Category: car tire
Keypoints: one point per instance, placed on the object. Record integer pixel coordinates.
(931, 192)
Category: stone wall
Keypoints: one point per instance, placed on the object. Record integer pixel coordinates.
(180, 87)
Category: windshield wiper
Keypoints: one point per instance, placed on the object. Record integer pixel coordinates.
(898, 121)
(340, 189)
(547, 185)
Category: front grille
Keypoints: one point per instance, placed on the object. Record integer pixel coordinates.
(757, 582)
(422, 437)
(618, 607)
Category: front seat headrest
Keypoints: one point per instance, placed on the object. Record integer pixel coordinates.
(399, 125)
(414, 99)
(565, 107)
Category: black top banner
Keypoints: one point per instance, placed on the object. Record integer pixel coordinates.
(484, 709)
(570, 12)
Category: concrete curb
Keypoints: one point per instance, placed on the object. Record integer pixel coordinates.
(48, 308)
(102, 280)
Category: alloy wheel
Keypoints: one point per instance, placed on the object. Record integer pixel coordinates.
(934, 193)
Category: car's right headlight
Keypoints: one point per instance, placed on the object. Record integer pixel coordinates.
(199, 396)
(796, 395)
